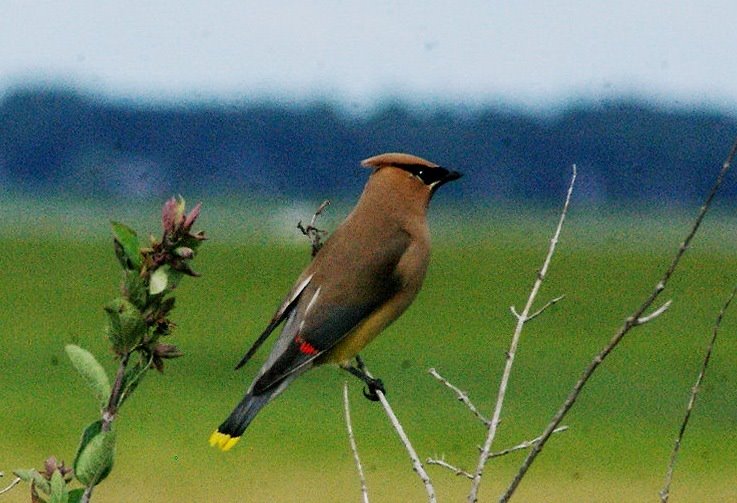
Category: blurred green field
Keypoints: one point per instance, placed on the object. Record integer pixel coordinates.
(58, 270)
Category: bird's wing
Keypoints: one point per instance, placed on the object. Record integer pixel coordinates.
(284, 310)
(329, 309)
(304, 346)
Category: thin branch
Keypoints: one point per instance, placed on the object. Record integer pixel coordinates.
(629, 323)
(14, 483)
(539, 311)
(521, 319)
(524, 445)
(416, 463)
(354, 447)
(461, 395)
(314, 234)
(457, 471)
(665, 492)
(644, 319)
(461, 472)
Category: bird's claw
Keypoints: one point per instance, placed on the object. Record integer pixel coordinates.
(374, 385)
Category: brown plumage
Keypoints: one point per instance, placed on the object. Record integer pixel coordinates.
(364, 277)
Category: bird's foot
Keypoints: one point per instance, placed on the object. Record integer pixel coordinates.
(374, 385)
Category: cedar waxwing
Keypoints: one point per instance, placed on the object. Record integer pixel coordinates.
(366, 274)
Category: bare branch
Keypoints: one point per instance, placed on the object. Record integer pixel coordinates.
(461, 395)
(538, 312)
(416, 463)
(14, 483)
(542, 309)
(314, 234)
(665, 492)
(457, 471)
(354, 447)
(521, 319)
(629, 323)
(524, 445)
(644, 319)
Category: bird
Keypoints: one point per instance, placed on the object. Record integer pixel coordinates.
(364, 277)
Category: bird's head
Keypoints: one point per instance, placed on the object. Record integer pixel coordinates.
(423, 176)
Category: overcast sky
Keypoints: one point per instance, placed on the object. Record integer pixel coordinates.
(536, 54)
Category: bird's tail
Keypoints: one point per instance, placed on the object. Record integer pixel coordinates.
(228, 433)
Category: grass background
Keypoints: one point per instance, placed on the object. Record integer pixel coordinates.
(57, 270)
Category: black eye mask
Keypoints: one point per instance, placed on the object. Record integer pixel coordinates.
(428, 175)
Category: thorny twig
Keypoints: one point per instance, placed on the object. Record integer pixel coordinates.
(521, 320)
(632, 321)
(314, 234)
(354, 447)
(665, 492)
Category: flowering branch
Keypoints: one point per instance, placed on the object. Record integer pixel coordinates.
(138, 320)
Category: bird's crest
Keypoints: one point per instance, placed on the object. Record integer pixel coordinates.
(396, 159)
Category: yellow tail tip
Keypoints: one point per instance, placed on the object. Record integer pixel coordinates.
(223, 441)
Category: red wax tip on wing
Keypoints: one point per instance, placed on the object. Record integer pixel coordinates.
(305, 347)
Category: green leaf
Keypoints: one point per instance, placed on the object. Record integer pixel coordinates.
(135, 289)
(129, 249)
(75, 495)
(25, 475)
(92, 430)
(132, 378)
(126, 325)
(91, 371)
(33, 476)
(95, 457)
(159, 281)
(58, 493)
(174, 278)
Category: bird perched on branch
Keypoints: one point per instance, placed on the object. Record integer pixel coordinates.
(367, 273)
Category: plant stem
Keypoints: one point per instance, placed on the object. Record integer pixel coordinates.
(108, 414)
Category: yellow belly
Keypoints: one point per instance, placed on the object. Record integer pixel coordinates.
(366, 331)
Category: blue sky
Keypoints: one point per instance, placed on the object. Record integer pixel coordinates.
(531, 54)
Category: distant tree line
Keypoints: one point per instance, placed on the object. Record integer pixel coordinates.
(59, 142)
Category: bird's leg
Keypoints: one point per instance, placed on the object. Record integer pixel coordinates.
(373, 384)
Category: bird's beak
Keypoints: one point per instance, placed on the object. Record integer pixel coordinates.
(452, 175)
